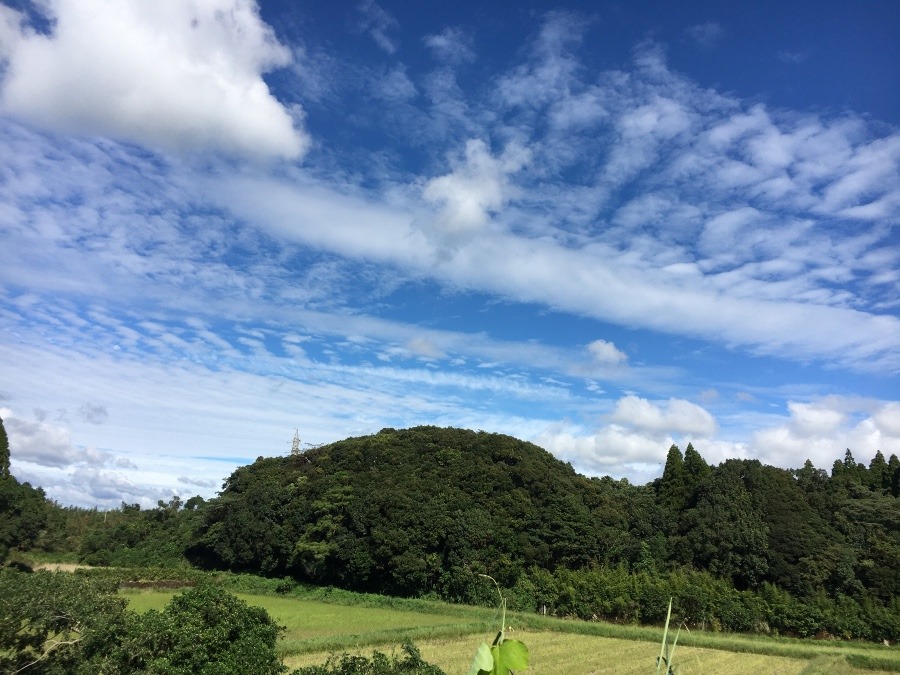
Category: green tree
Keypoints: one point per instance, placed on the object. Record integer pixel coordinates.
(893, 476)
(796, 531)
(4, 451)
(728, 536)
(203, 631)
(878, 473)
(57, 624)
(672, 489)
(67, 624)
(23, 515)
(695, 467)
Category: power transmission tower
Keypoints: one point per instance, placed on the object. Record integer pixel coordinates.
(295, 444)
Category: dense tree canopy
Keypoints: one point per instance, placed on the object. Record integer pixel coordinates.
(67, 624)
(423, 511)
(411, 511)
(23, 509)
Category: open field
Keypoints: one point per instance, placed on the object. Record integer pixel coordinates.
(567, 654)
(447, 635)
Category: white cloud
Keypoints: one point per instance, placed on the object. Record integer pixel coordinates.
(179, 74)
(675, 416)
(634, 441)
(887, 419)
(820, 430)
(606, 352)
(593, 280)
(809, 420)
(476, 188)
(200, 306)
(451, 45)
(613, 450)
(551, 70)
(705, 34)
(39, 442)
(379, 24)
(395, 85)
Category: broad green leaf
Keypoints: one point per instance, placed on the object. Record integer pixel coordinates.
(483, 662)
(509, 655)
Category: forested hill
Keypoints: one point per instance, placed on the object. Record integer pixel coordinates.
(738, 546)
(414, 511)
(425, 510)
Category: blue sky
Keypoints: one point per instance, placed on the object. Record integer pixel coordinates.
(602, 227)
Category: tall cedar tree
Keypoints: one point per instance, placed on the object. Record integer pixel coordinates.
(4, 451)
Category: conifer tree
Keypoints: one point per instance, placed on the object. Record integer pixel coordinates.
(878, 467)
(4, 451)
(893, 476)
(673, 495)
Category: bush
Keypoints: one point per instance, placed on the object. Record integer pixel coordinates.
(56, 623)
(203, 631)
(379, 664)
(65, 624)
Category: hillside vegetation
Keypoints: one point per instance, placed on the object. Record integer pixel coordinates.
(422, 512)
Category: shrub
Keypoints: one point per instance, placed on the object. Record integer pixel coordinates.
(378, 664)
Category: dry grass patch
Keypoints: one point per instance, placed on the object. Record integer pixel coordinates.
(565, 654)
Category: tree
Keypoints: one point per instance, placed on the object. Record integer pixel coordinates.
(23, 514)
(4, 451)
(57, 623)
(673, 489)
(694, 465)
(893, 476)
(203, 631)
(67, 624)
(878, 473)
(728, 536)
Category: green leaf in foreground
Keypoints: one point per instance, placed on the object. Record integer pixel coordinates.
(509, 655)
(500, 659)
(483, 661)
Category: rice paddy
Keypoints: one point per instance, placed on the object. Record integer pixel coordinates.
(447, 635)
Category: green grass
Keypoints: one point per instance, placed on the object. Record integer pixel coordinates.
(317, 625)
(322, 621)
(568, 654)
(554, 653)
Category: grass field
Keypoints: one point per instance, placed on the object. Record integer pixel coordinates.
(447, 635)
(567, 654)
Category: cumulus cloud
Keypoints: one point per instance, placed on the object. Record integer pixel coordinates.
(176, 74)
(606, 353)
(635, 438)
(112, 486)
(44, 444)
(820, 430)
(634, 441)
(887, 419)
(675, 416)
(477, 187)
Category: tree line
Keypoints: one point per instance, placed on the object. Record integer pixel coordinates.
(423, 511)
